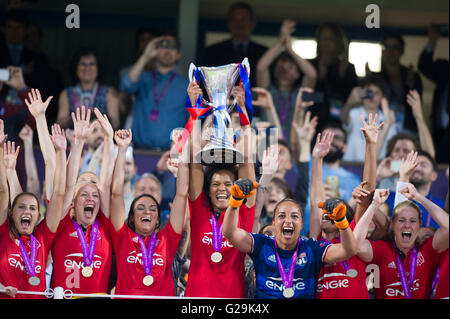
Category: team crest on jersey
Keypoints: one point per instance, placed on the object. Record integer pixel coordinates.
(18, 243)
(420, 259)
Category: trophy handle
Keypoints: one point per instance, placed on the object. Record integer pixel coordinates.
(247, 65)
(192, 68)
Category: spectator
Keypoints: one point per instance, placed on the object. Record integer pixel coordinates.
(14, 53)
(437, 71)
(373, 104)
(159, 102)
(131, 177)
(87, 90)
(400, 80)
(277, 190)
(336, 76)
(241, 22)
(127, 101)
(282, 74)
(421, 173)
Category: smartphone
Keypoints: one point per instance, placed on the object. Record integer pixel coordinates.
(395, 165)
(316, 97)
(4, 74)
(333, 182)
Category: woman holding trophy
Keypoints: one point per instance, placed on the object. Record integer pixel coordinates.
(217, 268)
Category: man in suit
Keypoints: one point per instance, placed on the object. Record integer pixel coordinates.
(240, 23)
(437, 71)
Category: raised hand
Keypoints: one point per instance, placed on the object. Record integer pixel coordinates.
(323, 143)
(104, 123)
(194, 91)
(389, 115)
(264, 98)
(380, 196)
(413, 99)
(26, 134)
(239, 94)
(360, 193)
(151, 49)
(3, 137)
(16, 80)
(308, 129)
(407, 166)
(10, 154)
(123, 138)
(370, 128)
(35, 104)
(58, 138)
(410, 192)
(81, 118)
(299, 103)
(270, 160)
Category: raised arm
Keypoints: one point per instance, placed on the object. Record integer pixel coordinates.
(441, 236)
(37, 108)
(246, 170)
(269, 167)
(55, 205)
(4, 192)
(123, 139)
(178, 209)
(11, 154)
(148, 55)
(239, 238)
(107, 168)
(370, 131)
(196, 174)
(389, 120)
(365, 251)
(426, 141)
(336, 211)
(112, 107)
(265, 101)
(297, 123)
(33, 185)
(317, 193)
(82, 129)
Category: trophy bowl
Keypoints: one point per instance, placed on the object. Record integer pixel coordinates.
(217, 84)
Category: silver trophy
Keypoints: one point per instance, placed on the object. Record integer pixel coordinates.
(217, 84)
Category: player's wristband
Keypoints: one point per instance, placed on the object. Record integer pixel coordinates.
(235, 203)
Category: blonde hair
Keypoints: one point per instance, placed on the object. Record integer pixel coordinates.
(397, 210)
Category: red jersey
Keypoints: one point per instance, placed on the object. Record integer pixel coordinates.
(68, 258)
(442, 285)
(13, 271)
(390, 286)
(334, 283)
(130, 269)
(224, 279)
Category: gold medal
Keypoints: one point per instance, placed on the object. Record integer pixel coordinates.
(87, 272)
(34, 281)
(352, 273)
(148, 280)
(288, 292)
(216, 257)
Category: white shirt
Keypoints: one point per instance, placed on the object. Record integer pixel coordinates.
(356, 143)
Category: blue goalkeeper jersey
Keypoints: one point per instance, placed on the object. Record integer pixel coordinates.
(269, 284)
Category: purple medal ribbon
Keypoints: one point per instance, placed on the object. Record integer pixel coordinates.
(88, 252)
(436, 279)
(216, 234)
(402, 273)
(159, 96)
(30, 261)
(344, 264)
(147, 253)
(288, 278)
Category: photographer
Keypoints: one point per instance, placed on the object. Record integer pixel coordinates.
(369, 95)
(159, 104)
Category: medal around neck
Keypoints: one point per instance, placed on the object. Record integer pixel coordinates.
(87, 272)
(352, 273)
(34, 281)
(288, 293)
(148, 280)
(216, 257)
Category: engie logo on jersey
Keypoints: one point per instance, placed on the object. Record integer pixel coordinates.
(276, 283)
(207, 239)
(136, 258)
(69, 261)
(15, 261)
